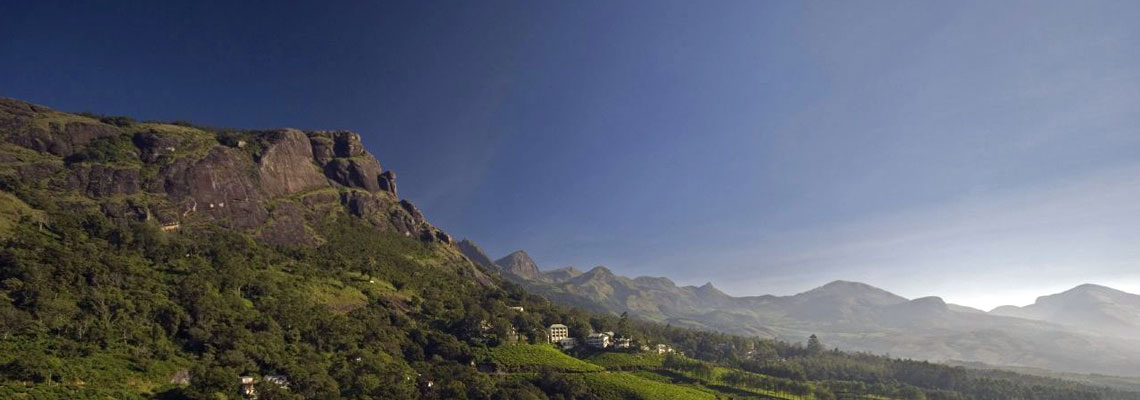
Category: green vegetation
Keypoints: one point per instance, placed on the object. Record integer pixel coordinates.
(621, 385)
(622, 360)
(534, 357)
(116, 150)
(97, 307)
(12, 211)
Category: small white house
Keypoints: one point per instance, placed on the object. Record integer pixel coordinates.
(623, 343)
(517, 308)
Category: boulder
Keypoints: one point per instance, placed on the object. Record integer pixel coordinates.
(155, 146)
(412, 211)
(360, 172)
(388, 182)
(361, 204)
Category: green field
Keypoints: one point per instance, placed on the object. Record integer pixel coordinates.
(623, 361)
(624, 385)
(530, 357)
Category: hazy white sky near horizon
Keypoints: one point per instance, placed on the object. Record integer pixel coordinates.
(984, 151)
(981, 251)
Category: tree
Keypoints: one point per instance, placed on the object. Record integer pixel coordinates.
(623, 325)
(813, 345)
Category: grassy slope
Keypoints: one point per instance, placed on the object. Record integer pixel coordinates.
(528, 357)
(617, 375)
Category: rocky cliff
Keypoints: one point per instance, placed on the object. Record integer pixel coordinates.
(274, 184)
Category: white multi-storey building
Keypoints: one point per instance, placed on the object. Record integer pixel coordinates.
(557, 332)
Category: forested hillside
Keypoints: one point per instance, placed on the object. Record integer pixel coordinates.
(158, 260)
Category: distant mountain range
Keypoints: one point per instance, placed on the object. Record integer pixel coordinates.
(1090, 308)
(1089, 329)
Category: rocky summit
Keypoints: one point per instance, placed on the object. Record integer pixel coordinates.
(274, 183)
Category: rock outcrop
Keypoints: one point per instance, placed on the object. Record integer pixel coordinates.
(44, 130)
(287, 166)
(274, 184)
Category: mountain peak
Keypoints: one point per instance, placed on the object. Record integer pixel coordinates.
(598, 274)
(708, 290)
(854, 290)
(519, 263)
(1091, 288)
(1087, 307)
(845, 286)
(1088, 293)
(600, 271)
(517, 254)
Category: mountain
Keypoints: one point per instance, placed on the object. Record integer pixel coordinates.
(519, 264)
(273, 184)
(561, 274)
(174, 261)
(474, 253)
(857, 316)
(1087, 307)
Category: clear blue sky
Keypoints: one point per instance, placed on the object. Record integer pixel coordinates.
(987, 152)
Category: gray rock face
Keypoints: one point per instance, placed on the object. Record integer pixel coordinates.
(60, 138)
(102, 181)
(220, 187)
(322, 149)
(42, 129)
(287, 165)
(363, 172)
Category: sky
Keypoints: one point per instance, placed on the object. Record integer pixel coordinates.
(985, 152)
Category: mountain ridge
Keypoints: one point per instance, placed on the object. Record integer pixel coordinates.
(853, 315)
(1087, 307)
